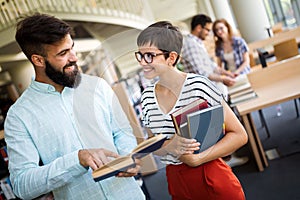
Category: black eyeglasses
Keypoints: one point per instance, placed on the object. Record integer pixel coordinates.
(148, 56)
(207, 29)
(219, 29)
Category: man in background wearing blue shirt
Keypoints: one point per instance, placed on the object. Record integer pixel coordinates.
(71, 122)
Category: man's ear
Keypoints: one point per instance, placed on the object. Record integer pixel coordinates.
(38, 60)
(199, 27)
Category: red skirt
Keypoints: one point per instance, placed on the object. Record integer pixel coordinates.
(211, 181)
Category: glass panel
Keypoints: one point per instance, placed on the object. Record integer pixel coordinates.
(288, 13)
(285, 12)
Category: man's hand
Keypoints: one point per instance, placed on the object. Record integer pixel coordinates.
(95, 158)
(228, 81)
(226, 72)
(131, 171)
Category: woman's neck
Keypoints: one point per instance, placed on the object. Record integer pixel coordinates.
(172, 80)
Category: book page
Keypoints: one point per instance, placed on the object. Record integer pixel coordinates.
(116, 164)
(148, 142)
(123, 163)
(249, 90)
(242, 83)
(244, 97)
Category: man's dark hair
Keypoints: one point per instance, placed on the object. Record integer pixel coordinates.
(163, 35)
(200, 19)
(33, 32)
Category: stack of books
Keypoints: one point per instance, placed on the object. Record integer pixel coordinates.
(197, 120)
(241, 90)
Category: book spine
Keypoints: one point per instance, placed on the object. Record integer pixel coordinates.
(176, 126)
(3, 154)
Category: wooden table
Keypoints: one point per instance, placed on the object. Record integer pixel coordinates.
(268, 43)
(276, 39)
(273, 85)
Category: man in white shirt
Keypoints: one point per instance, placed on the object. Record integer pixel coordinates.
(195, 58)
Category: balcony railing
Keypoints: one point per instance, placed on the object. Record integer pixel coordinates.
(135, 10)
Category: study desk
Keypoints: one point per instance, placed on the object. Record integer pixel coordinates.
(276, 39)
(273, 85)
(268, 43)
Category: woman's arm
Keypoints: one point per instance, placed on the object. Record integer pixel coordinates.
(246, 63)
(234, 138)
(219, 62)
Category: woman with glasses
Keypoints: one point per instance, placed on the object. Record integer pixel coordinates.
(190, 176)
(232, 52)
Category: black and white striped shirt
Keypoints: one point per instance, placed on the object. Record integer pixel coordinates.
(195, 86)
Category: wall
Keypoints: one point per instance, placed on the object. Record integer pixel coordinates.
(21, 72)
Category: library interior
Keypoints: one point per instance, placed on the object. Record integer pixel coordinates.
(265, 99)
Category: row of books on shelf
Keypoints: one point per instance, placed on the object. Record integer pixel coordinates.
(241, 91)
(195, 120)
(6, 192)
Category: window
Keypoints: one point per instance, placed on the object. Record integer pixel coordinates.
(286, 12)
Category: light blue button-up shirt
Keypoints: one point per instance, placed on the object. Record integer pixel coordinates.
(50, 126)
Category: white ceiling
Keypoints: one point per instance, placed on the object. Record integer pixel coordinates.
(172, 10)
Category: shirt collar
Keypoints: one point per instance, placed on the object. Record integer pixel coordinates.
(42, 87)
(195, 38)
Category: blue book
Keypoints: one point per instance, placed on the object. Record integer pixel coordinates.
(121, 164)
(206, 126)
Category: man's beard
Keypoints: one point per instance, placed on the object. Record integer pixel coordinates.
(71, 79)
(201, 36)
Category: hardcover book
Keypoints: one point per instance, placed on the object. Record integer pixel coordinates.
(121, 164)
(206, 126)
(179, 116)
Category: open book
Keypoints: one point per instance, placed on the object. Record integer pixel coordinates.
(241, 83)
(121, 164)
(179, 116)
(241, 90)
(206, 126)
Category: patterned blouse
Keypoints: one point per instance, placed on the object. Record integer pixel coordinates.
(239, 48)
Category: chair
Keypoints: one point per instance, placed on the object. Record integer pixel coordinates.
(286, 49)
(277, 28)
(252, 59)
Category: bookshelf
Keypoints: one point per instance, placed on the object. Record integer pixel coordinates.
(129, 91)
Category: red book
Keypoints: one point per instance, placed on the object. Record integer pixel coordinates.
(180, 115)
